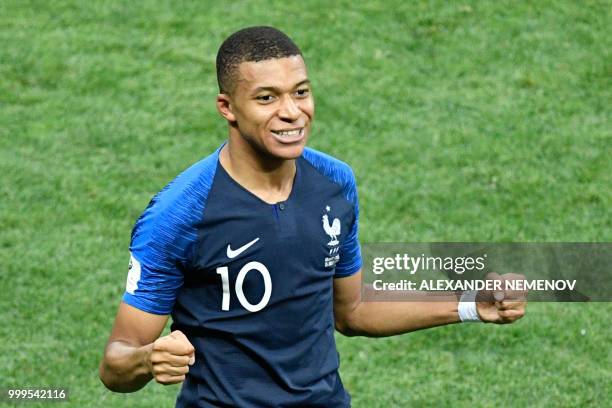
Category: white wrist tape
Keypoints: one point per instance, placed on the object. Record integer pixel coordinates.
(467, 307)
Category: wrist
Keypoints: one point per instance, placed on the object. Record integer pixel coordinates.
(145, 361)
(467, 310)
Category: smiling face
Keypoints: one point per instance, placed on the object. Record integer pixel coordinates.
(270, 107)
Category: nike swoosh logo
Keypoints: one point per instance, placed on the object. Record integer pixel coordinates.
(234, 253)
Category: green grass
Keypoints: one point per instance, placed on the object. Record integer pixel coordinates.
(479, 121)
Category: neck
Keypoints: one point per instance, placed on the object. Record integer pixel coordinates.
(268, 178)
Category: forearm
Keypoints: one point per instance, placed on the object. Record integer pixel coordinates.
(125, 367)
(388, 318)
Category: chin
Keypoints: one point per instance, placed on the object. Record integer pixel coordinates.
(287, 152)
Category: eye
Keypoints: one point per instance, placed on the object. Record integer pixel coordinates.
(303, 92)
(265, 98)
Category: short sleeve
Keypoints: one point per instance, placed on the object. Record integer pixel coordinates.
(350, 250)
(164, 237)
(158, 254)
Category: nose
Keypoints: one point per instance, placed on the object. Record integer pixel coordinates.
(289, 111)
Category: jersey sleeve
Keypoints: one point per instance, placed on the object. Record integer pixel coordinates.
(159, 252)
(350, 250)
(164, 238)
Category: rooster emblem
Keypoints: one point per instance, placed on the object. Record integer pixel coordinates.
(332, 230)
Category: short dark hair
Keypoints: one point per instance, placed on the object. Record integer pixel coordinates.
(251, 44)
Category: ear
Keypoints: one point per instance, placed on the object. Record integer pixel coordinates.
(224, 107)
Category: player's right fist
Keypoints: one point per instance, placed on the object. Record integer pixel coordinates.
(171, 357)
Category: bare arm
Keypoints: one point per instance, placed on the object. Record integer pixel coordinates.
(135, 354)
(387, 318)
(378, 319)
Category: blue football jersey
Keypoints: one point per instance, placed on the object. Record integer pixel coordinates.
(251, 283)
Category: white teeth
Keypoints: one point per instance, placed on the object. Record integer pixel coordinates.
(289, 133)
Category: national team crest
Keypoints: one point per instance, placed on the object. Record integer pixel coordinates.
(332, 230)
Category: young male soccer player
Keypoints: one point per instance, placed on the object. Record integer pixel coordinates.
(254, 252)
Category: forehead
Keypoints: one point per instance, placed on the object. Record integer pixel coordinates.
(277, 72)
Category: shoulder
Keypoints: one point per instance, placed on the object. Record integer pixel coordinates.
(172, 213)
(189, 188)
(333, 169)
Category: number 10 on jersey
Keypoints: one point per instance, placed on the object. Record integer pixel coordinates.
(257, 266)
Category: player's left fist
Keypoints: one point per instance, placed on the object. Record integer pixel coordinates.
(502, 306)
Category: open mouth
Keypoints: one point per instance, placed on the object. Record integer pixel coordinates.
(289, 135)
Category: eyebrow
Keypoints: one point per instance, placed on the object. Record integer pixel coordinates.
(278, 90)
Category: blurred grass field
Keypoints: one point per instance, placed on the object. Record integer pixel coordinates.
(470, 121)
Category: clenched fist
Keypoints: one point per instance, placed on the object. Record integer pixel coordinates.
(501, 306)
(170, 358)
